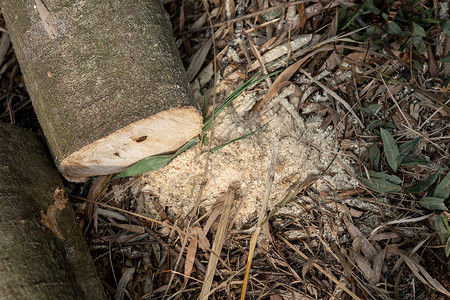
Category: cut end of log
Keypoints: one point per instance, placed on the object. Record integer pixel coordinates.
(163, 132)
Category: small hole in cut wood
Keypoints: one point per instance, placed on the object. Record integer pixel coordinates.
(141, 139)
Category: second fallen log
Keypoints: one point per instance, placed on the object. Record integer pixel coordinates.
(106, 81)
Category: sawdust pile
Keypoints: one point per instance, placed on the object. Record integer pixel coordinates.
(303, 149)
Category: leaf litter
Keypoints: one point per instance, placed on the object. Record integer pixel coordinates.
(344, 239)
(325, 236)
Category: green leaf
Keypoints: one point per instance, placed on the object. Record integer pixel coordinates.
(417, 64)
(445, 25)
(391, 178)
(417, 41)
(145, 165)
(187, 146)
(406, 148)
(374, 156)
(413, 160)
(390, 126)
(418, 30)
(374, 124)
(393, 28)
(372, 109)
(442, 227)
(204, 140)
(380, 185)
(254, 80)
(354, 15)
(445, 58)
(153, 163)
(433, 203)
(239, 138)
(443, 188)
(424, 185)
(430, 21)
(390, 149)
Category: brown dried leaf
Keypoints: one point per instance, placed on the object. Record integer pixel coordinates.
(377, 265)
(182, 17)
(357, 58)
(190, 260)
(268, 44)
(307, 265)
(421, 273)
(331, 62)
(342, 260)
(433, 67)
(200, 56)
(318, 8)
(367, 248)
(47, 19)
(97, 189)
(302, 15)
(284, 76)
(218, 244)
(200, 21)
(403, 119)
(313, 10)
(123, 282)
(129, 227)
(384, 236)
(364, 266)
(446, 65)
(230, 9)
(334, 26)
(403, 56)
(202, 239)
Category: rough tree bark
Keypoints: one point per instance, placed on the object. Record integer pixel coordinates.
(106, 81)
(42, 252)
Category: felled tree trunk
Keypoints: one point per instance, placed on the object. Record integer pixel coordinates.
(106, 81)
(42, 252)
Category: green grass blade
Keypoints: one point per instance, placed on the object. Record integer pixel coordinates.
(356, 14)
(239, 138)
(443, 188)
(390, 149)
(424, 185)
(255, 79)
(187, 146)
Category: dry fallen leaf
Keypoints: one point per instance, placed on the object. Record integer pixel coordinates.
(367, 248)
(47, 19)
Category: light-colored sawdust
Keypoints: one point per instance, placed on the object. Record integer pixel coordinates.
(303, 149)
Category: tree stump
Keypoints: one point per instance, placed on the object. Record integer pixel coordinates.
(43, 254)
(105, 79)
